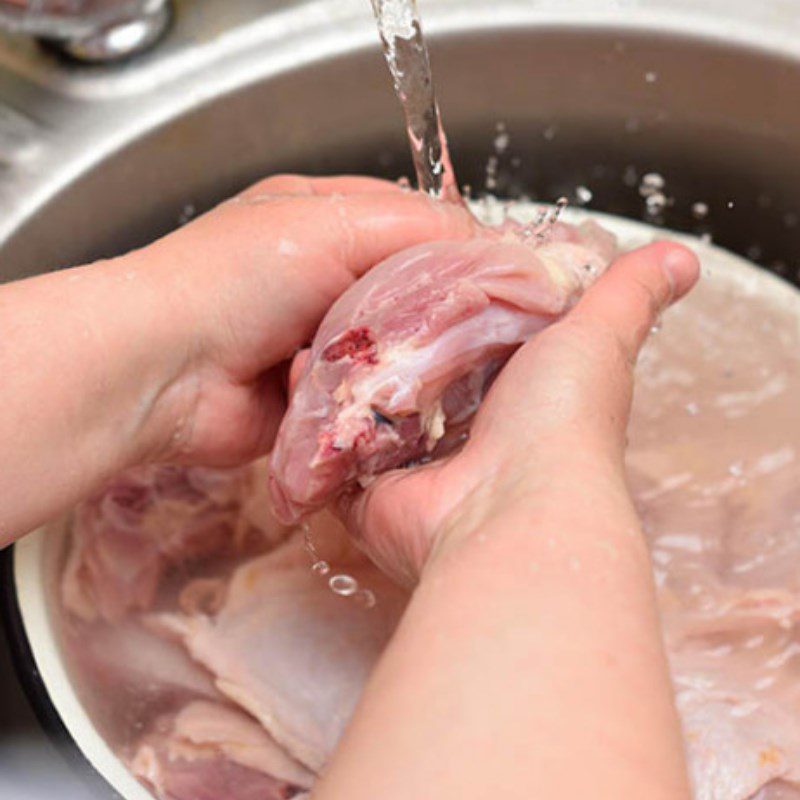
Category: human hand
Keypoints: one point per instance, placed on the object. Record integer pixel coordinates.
(246, 286)
(550, 436)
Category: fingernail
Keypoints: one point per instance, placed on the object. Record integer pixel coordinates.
(682, 269)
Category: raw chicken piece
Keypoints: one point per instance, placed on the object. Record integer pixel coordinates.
(126, 674)
(150, 518)
(404, 357)
(713, 457)
(210, 751)
(738, 693)
(735, 745)
(715, 464)
(288, 650)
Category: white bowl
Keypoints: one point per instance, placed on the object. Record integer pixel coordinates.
(37, 559)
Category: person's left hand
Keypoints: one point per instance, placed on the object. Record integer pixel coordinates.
(174, 353)
(246, 286)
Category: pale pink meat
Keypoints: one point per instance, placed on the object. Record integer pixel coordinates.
(212, 751)
(288, 650)
(736, 744)
(405, 356)
(127, 654)
(125, 537)
(714, 459)
(279, 662)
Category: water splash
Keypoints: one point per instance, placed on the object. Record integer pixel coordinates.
(340, 583)
(407, 56)
(652, 188)
(501, 142)
(583, 195)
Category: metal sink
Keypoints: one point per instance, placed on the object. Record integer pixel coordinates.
(594, 94)
(96, 160)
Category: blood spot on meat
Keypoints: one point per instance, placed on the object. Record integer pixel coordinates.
(356, 344)
(327, 443)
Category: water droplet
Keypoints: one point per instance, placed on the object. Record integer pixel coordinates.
(561, 204)
(343, 585)
(791, 219)
(491, 172)
(651, 183)
(730, 204)
(404, 183)
(699, 210)
(502, 140)
(651, 77)
(656, 326)
(516, 162)
(764, 683)
(655, 203)
(550, 132)
(583, 195)
(308, 541)
(706, 238)
(365, 598)
(692, 409)
(321, 568)
(736, 469)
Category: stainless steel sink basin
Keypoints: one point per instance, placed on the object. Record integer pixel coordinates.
(594, 93)
(97, 160)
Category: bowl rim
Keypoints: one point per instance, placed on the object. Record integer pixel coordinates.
(34, 687)
(44, 673)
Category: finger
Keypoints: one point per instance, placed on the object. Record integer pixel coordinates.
(304, 185)
(568, 391)
(354, 231)
(369, 231)
(273, 269)
(635, 291)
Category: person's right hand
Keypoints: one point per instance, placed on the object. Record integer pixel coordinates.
(549, 438)
(529, 661)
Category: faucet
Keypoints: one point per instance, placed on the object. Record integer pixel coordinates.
(95, 31)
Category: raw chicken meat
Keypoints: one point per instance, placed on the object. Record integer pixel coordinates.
(210, 751)
(278, 661)
(126, 537)
(736, 745)
(403, 359)
(714, 459)
(125, 672)
(291, 652)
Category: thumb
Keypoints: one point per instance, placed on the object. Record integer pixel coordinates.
(571, 386)
(636, 289)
